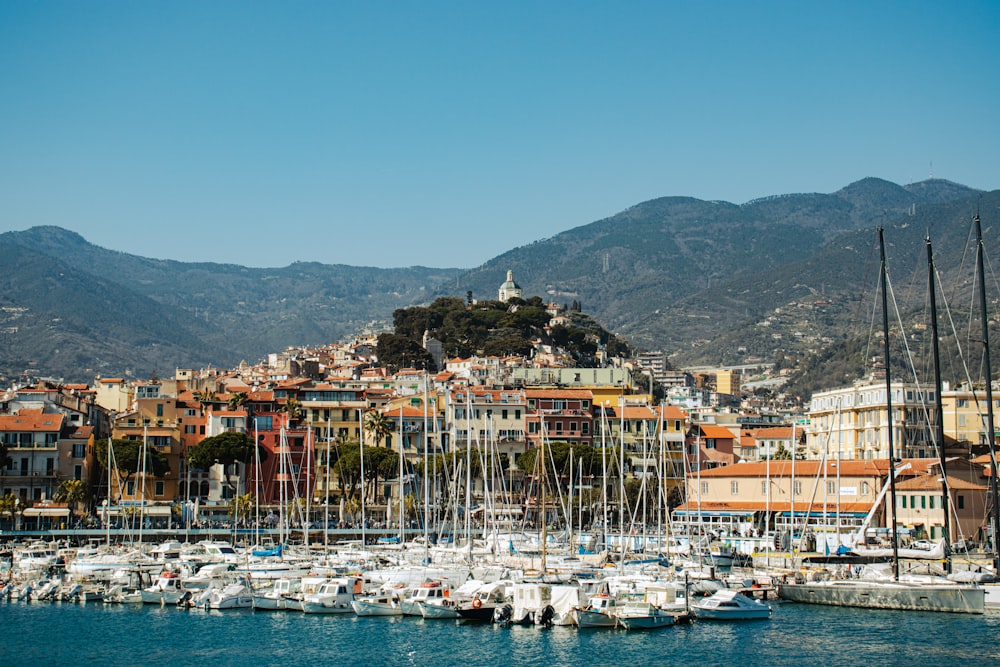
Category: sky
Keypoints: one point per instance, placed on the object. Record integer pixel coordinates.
(443, 134)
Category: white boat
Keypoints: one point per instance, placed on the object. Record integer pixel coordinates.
(940, 595)
(431, 590)
(377, 605)
(730, 605)
(333, 597)
(600, 612)
(234, 595)
(167, 589)
(273, 597)
(641, 615)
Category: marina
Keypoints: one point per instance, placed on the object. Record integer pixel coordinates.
(796, 634)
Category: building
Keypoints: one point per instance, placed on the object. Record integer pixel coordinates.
(509, 289)
(852, 422)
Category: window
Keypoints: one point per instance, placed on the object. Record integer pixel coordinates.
(923, 502)
(963, 402)
(158, 488)
(78, 472)
(763, 488)
(159, 409)
(831, 488)
(79, 450)
(572, 426)
(961, 502)
(734, 488)
(532, 427)
(559, 427)
(503, 414)
(130, 488)
(585, 428)
(931, 501)
(704, 488)
(798, 487)
(865, 488)
(517, 414)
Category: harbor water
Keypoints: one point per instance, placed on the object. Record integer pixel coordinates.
(41, 633)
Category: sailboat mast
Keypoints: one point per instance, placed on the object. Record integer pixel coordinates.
(990, 427)
(888, 405)
(938, 408)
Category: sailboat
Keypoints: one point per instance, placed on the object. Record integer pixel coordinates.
(912, 593)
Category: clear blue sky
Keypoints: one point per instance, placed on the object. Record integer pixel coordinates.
(444, 133)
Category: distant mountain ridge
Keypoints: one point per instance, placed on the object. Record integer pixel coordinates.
(690, 277)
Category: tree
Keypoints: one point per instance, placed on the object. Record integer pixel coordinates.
(128, 460)
(242, 507)
(377, 425)
(225, 449)
(9, 506)
(292, 408)
(395, 351)
(237, 400)
(206, 397)
(72, 492)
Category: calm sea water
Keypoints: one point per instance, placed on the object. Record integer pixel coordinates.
(77, 634)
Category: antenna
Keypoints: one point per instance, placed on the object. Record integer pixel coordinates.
(932, 169)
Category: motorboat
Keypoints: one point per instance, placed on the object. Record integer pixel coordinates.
(377, 605)
(167, 589)
(234, 595)
(730, 605)
(600, 612)
(333, 597)
(273, 597)
(642, 615)
(427, 591)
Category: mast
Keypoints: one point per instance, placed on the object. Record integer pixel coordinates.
(402, 488)
(938, 408)
(326, 486)
(427, 543)
(542, 512)
(990, 424)
(361, 451)
(888, 404)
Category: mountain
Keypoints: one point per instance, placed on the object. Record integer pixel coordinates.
(709, 282)
(71, 309)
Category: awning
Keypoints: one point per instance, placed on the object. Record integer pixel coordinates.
(46, 511)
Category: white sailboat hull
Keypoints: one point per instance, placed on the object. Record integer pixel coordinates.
(888, 595)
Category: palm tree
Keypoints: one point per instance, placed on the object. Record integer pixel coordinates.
(293, 408)
(206, 397)
(8, 506)
(237, 400)
(378, 426)
(73, 492)
(242, 507)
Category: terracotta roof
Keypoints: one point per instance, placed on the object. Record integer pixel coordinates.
(717, 432)
(774, 506)
(933, 483)
(775, 432)
(31, 420)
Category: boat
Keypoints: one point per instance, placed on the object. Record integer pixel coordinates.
(730, 605)
(427, 591)
(333, 597)
(876, 591)
(484, 603)
(642, 615)
(166, 590)
(234, 595)
(600, 612)
(273, 597)
(377, 605)
(918, 594)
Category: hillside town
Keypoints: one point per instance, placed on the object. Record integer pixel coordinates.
(722, 459)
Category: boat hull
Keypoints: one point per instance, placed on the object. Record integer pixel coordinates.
(888, 595)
